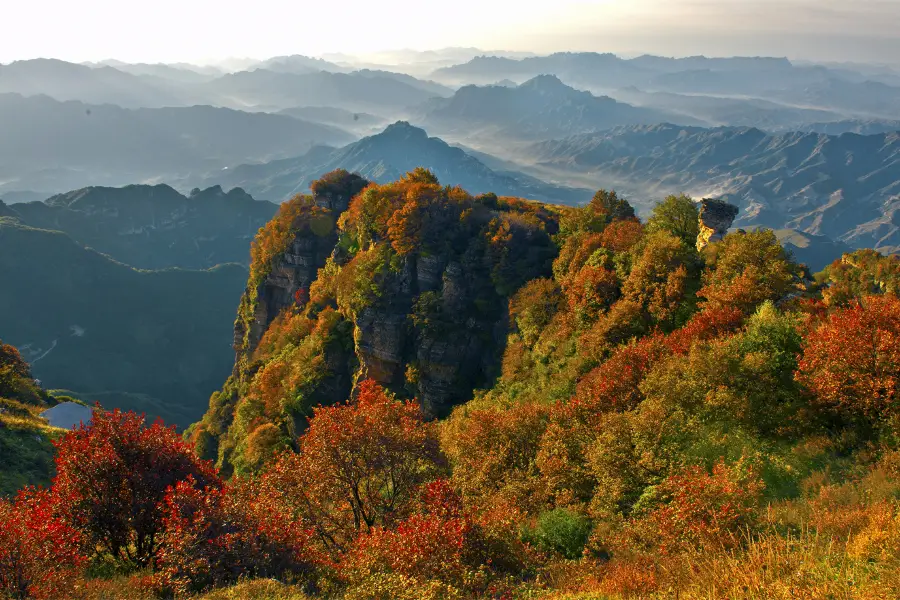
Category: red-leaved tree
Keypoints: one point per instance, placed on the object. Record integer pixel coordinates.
(851, 362)
(112, 477)
(39, 552)
(212, 537)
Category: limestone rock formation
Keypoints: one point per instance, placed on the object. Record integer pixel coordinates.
(716, 217)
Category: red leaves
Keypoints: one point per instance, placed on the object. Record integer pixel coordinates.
(701, 508)
(851, 362)
(214, 536)
(112, 476)
(39, 552)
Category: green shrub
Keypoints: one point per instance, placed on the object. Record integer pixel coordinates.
(560, 530)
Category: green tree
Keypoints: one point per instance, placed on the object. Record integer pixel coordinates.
(679, 216)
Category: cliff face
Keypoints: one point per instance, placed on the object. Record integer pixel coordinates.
(404, 283)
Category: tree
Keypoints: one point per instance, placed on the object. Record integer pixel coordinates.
(16, 382)
(679, 216)
(39, 552)
(534, 306)
(851, 362)
(358, 467)
(662, 279)
(745, 270)
(112, 476)
(611, 206)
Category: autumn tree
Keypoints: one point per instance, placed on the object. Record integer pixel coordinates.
(662, 279)
(40, 554)
(112, 476)
(533, 307)
(851, 362)
(746, 269)
(609, 205)
(358, 466)
(677, 215)
(15, 377)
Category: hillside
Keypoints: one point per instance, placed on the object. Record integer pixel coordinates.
(153, 227)
(540, 108)
(52, 145)
(843, 187)
(384, 157)
(152, 341)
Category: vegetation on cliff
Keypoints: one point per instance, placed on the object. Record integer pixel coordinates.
(629, 417)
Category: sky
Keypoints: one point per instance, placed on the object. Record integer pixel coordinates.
(203, 31)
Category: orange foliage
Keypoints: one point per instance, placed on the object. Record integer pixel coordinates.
(851, 362)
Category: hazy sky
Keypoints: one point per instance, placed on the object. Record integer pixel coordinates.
(200, 30)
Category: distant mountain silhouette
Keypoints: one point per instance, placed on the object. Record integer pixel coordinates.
(385, 157)
(298, 64)
(541, 108)
(51, 145)
(351, 91)
(154, 227)
(844, 187)
(104, 85)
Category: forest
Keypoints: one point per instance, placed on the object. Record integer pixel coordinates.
(488, 397)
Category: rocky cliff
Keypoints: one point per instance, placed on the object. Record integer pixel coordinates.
(716, 217)
(405, 283)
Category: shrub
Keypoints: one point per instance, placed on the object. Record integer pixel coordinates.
(561, 530)
(39, 552)
(112, 476)
(216, 536)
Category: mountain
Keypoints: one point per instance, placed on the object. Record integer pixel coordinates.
(541, 108)
(186, 74)
(351, 91)
(55, 145)
(844, 187)
(858, 126)
(103, 85)
(298, 64)
(153, 341)
(429, 87)
(336, 117)
(384, 157)
(814, 251)
(603, 70)
(154, 227)
(737, 112)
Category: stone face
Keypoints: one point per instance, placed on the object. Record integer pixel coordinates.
(716, 217)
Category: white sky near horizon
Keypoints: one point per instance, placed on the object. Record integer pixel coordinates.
(203, 31)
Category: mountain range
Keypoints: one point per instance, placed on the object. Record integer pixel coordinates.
(541, 108)
(153, 227)
(845, 187)
(48, 145)
(401, 147)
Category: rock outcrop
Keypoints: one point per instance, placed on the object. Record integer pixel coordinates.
(716, 217)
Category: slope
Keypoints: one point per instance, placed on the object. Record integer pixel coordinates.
(160, 339)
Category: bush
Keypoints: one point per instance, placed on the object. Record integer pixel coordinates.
(112, 477)
(562, 531)
(39, 553)
(216, 536)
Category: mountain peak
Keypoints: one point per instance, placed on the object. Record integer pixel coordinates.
(545, 83)
(403, 128)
